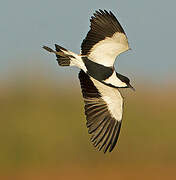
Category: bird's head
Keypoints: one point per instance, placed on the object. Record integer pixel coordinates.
(126, 81)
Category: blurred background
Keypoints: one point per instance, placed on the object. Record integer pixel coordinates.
(42, 124)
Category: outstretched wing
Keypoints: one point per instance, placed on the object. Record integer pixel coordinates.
(105, 40)
(103, 110)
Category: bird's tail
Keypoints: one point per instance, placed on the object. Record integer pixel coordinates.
(64, 57)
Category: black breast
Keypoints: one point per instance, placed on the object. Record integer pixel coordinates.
(97, 71)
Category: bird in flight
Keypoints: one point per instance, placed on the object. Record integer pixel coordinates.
(99, 81)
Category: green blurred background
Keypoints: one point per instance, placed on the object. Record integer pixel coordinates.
(43, 132)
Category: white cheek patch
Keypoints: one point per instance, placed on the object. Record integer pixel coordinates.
(115, 81)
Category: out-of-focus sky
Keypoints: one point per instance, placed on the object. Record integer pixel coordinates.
(26, 25)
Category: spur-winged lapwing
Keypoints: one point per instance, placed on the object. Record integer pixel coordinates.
(99, 81)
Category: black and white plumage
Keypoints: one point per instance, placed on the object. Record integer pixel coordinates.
(99, 81)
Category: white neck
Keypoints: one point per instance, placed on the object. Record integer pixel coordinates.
(115, 81)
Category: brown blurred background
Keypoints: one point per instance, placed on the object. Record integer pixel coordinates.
(43, 134)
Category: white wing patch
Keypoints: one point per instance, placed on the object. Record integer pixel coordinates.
(106, 51)
(112, 97)
(103, 110)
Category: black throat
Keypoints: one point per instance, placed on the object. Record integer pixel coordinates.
(97, 71)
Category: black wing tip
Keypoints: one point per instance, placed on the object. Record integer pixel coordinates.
(112, 143)
(105, 137)
(108, 15)
(100, 11)
(104, 12)
(116, 136)
(103, 24)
